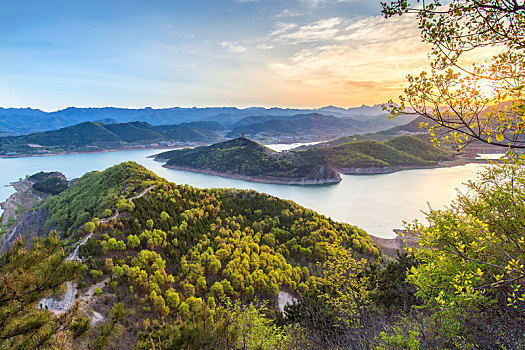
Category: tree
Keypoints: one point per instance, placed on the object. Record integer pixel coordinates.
(346, 288)
(109, 332)
(470, 273)
(28, 276)
(482, 102)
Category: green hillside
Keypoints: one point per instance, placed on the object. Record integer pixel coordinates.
(93, 135)
(95, 191)
(188, 134)
(134, 132)
(175, 250)
(419, 148)
(398, 152)
(83, 134)
(179, 248)
(244, 157)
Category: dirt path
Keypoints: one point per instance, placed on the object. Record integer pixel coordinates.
(63, 305)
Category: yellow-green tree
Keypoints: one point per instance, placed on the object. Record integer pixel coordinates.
(484, 101)
(346, 287)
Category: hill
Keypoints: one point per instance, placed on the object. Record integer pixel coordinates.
(397, 153)
(410, 128)
(416, 147)
(170, 250)
(88, 196)
(311, 126)
(243, 158)
(89, 136)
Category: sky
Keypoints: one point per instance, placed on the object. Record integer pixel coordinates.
(130, 53)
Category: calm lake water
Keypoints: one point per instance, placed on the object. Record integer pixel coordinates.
(377, 203)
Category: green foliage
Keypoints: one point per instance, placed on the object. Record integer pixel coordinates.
(28, 275)
(96, 274)
(212, 244)
(94, 192)
(450, 96)
(49, 183)
(469, 268)
(92, 135)
(396, 340)
(108, 333)
(345, 286)
(242, 156)
(232, 326)
(89, 226)
(390, 289)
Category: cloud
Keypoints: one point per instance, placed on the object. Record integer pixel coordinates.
(264, 47)
(288, 13)
(283, 27)
(367, 58)
(233, 47)
(324, 29)
(316, 3)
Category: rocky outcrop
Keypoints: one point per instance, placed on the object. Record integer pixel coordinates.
(397, 245)
(16, 210)
(321, 175)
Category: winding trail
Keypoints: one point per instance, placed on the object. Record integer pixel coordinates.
(63, 305)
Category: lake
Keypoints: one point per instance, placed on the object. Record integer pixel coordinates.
(377, 203)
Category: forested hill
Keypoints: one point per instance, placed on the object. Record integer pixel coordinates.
(397, 153)
(168, 251)
(93, 135)
(244, 158)
(94, 192)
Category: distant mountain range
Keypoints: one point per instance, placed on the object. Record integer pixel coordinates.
(313, 125)
(20, 121)
(89, 136)
(108, 132)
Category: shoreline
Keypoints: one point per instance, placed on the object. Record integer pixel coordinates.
(89, 152)
(138, 148)
(276, 181)
(283, 181)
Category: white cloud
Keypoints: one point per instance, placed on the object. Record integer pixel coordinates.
(370, 55)
(233, 46)
(324, 29)
(316, 3)
(288, 13)
(283, 27)
(264, 47)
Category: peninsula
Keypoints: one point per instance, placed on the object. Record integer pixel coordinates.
(242, 158)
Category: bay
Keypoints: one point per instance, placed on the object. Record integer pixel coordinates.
(377, 203)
